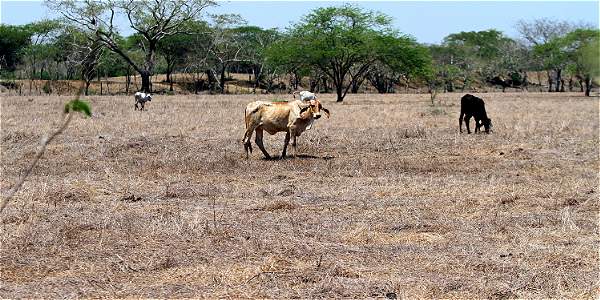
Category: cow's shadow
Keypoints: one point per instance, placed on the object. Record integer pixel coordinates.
(299, 156)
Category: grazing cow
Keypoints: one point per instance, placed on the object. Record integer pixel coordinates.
(293, 118)
(471, 106)
(141, 98)
(305, 95)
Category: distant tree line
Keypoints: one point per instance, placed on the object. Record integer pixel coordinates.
(342, 49)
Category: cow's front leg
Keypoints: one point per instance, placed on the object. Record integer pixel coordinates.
(467, 119)
(294, 144)
(285, 144)
(259, 142)
(136, 106)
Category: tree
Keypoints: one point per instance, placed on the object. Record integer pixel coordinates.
(582, 52)
(554, 59)
(398, 58)
(336, 41)
(541, 35)
(37, 53)
(83, 54)
(541, 31)
(174, 49)
(13, 39)
(152, 20)
(475, 52)
(280, 57)
(223, 46)
(255, 42)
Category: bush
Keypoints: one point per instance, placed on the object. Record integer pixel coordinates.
(47, 88)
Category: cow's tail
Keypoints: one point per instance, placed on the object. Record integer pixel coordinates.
(246, 117)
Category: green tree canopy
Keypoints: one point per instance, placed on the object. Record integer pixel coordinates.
(579, 49)
(13, 39)
(341, 42)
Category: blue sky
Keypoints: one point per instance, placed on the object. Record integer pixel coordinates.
(427, 21)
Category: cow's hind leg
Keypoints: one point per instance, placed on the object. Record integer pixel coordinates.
(259, 142)
(460, 120)
(285, 144)
(246, 141)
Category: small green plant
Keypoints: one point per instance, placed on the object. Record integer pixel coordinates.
(73, 106)
(47, 88)
(78, 106)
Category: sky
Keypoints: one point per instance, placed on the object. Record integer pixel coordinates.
(428, 21)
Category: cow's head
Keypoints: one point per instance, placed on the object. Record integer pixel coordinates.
(487, 124)
(314, 109)
(149, 97)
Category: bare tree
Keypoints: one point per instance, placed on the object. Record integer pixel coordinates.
(83, 54)
(541, 32)
(153, 20)
(224, 46)
(255, 42)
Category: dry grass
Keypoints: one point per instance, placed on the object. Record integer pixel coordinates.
(238, 84)
(386, 200)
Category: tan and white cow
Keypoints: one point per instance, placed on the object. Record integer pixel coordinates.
(293, 118)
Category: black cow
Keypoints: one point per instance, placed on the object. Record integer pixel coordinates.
(471, 106)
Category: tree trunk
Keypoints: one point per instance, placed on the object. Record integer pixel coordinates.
(313, 85)
(326, 87)
(99, 81)
(355, 87)
(558, 80)
(170, 78)
(340, 93)
(145, 81)
(525, 82)
(257, 75)
(450, 86)
(222, 81)
(87, 87)
(588, 86)
(570, 84)
(127, 81)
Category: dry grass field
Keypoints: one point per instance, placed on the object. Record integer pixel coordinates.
(385, 200)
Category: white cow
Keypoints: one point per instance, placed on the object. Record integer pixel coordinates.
(141, 98)
(305, 95)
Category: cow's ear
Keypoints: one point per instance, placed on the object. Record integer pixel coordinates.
(304, 109)
(326, 111)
